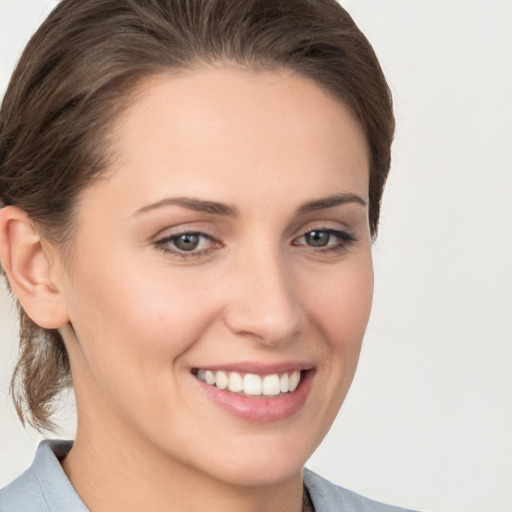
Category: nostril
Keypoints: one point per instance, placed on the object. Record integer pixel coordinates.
(262, 301)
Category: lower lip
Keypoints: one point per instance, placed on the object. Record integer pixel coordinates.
(260, 409)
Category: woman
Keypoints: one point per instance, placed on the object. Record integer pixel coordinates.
(190, 191)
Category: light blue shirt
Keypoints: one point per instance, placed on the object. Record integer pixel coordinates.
(44, 487)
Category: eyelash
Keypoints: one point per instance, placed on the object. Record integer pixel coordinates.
(344, 241)
(164, 244)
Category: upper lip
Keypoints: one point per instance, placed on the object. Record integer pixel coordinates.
(258, 368)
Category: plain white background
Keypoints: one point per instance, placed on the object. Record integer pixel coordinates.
(428, 422)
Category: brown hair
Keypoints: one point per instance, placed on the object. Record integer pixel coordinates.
(76, 75)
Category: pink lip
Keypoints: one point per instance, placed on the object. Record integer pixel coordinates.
(260, 369)
(260, 409)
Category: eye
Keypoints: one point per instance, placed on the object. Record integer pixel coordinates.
(188, 242)
(326, 239)
(318, 238)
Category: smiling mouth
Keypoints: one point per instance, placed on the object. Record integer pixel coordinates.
(250, 384)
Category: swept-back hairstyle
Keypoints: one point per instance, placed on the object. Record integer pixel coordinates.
(77, 74)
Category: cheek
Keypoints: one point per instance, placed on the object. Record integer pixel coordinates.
(133, 327)
(341, 306)
(342, 303)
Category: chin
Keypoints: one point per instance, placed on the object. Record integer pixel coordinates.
(264, 464)
(272, 471)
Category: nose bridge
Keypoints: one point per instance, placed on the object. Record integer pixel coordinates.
(264, 303)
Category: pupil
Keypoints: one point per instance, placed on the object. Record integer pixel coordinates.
(187, 242)
(317, 238)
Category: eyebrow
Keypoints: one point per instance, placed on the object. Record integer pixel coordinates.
(191, 203)
(330, 202)
(216, 208)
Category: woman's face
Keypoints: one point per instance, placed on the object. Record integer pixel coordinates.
(228, 246)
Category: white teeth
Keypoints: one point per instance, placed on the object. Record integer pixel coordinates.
(285, 383)
(209, 377)
(294, 380)
(221, 379)
(235, 382)
(251, 384)
(272, 385)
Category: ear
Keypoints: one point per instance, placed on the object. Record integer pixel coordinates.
(29, 269)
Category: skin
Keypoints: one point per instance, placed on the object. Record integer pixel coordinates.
(137, 318)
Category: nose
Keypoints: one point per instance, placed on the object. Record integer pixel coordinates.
(263, 302)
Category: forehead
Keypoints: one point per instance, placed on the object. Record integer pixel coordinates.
(217, 130)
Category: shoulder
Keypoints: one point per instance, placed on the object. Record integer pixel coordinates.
(44, 486)
(327, 497)
(23, 494)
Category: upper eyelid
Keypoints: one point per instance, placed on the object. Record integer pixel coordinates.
(175, 231)
(216, 236)
(333, 231)
(323, 227)
(212, 232)
(320, 222)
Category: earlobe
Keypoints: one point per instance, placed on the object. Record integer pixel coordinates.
(28, 269)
